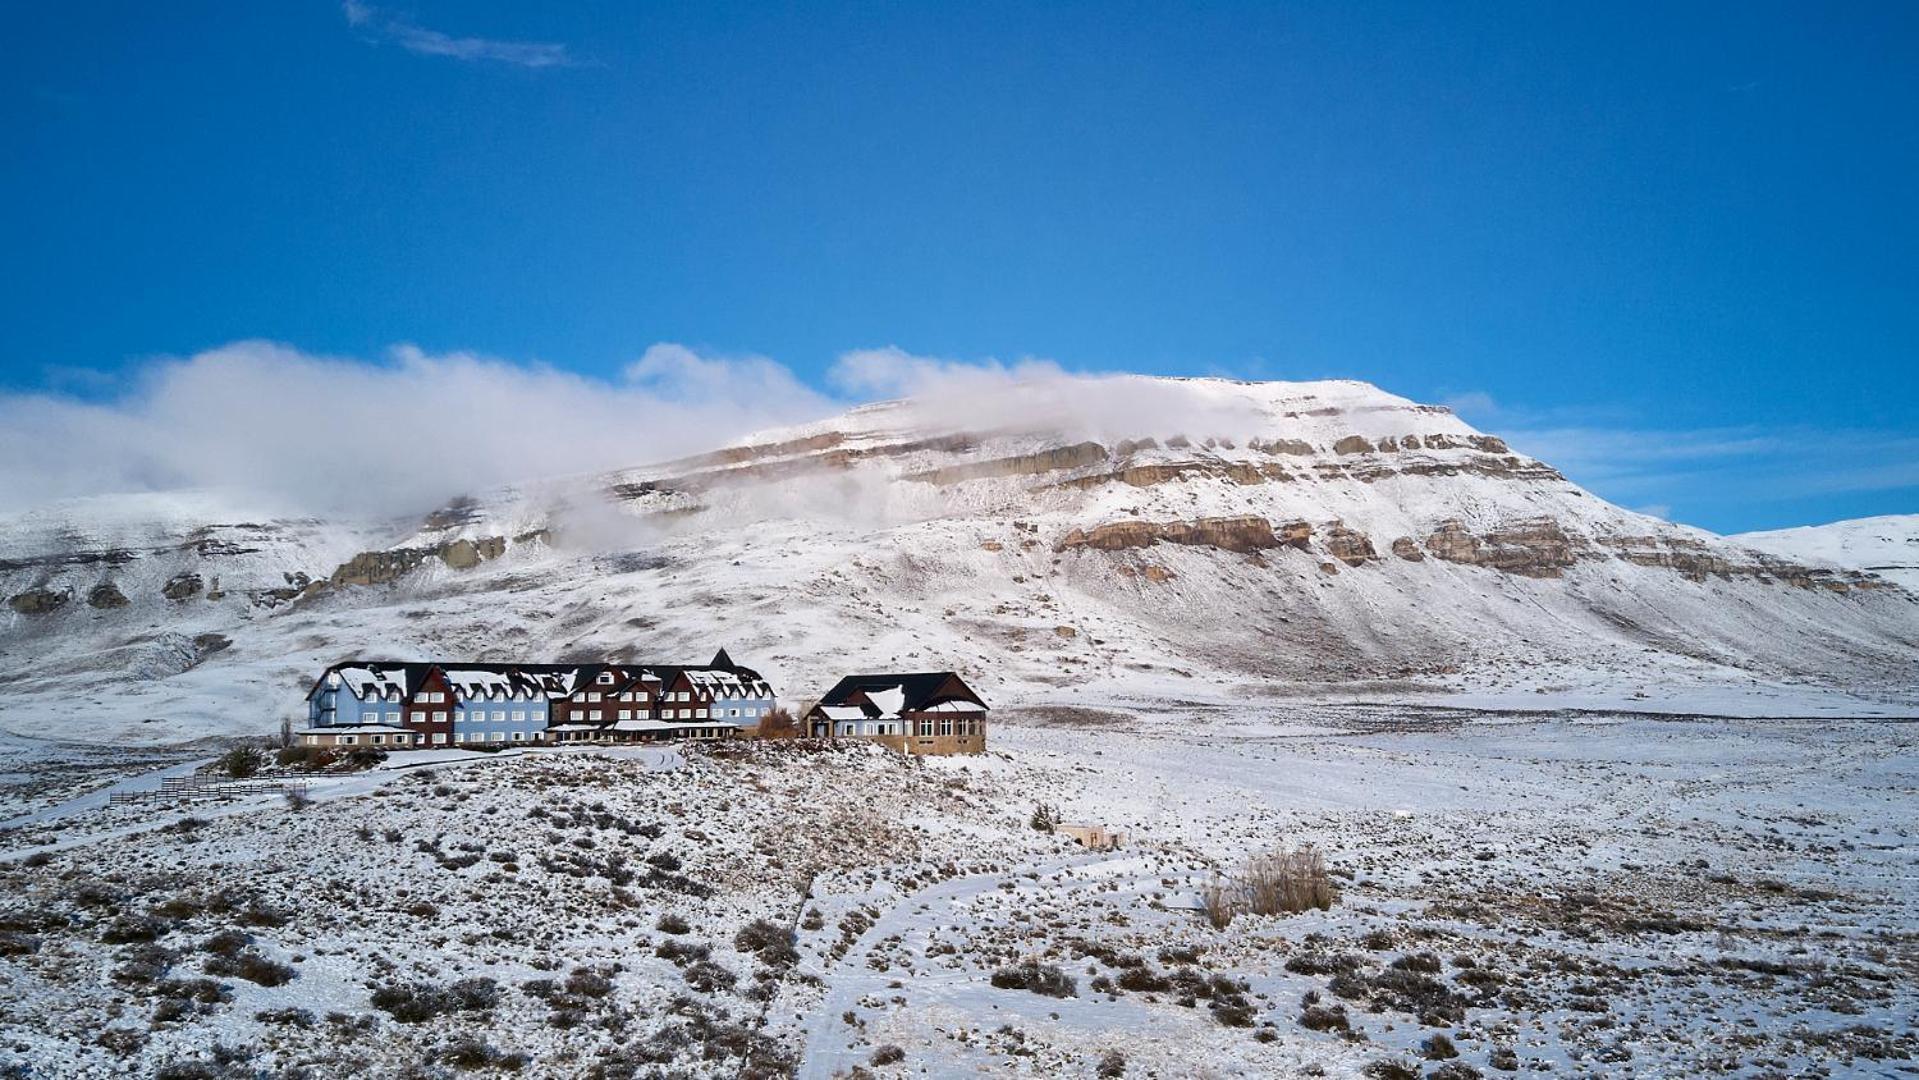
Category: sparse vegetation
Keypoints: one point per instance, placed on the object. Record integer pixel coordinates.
(1046, 979)
(1278, 882)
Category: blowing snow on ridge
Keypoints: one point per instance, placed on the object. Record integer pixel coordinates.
(1159, 539)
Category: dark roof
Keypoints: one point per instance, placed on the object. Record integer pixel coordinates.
(412, 674)
(923, 688)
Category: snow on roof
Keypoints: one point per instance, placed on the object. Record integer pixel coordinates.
(492, 684)
(374, 681)
(728, 684)
(888, 701)
(843, 712)
(954, 706)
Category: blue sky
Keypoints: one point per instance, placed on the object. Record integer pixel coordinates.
(1672, 248)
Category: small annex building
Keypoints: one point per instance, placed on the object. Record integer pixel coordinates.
(925, 712)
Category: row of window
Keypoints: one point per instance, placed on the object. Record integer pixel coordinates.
(419, 738)
(946, 725)
(927, 727)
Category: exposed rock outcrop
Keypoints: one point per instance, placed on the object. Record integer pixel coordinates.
(378, 567)
(467, 554)
(182, 586)
(381, 567)
(106, 595)
(1350, 546)
(1353, 444)
(1407, 548)
(1078, 455)
(1295, 447)
(1537, 548)
(39, 601)
(1225, 533)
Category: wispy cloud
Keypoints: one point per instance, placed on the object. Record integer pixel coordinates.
(322, 433)
(1710, 474)
(381, 25)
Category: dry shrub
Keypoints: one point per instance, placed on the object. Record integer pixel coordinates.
(778, 724)
(1276, 882)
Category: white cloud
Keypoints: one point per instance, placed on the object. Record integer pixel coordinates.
(323, 433)
(1471, 403)
(380, 25)
(1038, 395)
(677, 373)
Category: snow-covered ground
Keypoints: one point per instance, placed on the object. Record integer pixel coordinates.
(1887, 546)
(1603, 894)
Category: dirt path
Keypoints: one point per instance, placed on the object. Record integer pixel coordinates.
(851, 979)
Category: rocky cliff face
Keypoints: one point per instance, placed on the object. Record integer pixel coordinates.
(1281, 535)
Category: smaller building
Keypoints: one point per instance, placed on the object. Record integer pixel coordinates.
(926, 712)
(1091, 836)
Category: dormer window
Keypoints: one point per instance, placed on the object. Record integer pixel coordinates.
(606, 676)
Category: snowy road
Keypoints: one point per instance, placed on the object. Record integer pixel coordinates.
(94, 800)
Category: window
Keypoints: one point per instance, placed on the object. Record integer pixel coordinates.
(606, 676)
(519, 714)
(496, 736)
(379, 739)
(519, 736)
(439, 738)
(439, 717)
(946, 725)
(926, 726)
(348, 740)
(393, 718)
(626, 714)
(499, 716)
(593, 696)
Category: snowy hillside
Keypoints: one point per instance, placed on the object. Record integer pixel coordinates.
(1117, 539)
(1887, 546)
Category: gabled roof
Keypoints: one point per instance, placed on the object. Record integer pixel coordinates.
(893, 694)
(725, 679)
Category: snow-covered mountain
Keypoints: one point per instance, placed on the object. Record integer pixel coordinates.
(1066, 540)
(1887, 546)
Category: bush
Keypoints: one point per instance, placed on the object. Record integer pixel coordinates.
(251, 966)
(707, 976)
(588, 982)
(1438, 1048)
(241, 762)
(1112, 1063)
(1045, 818)
(888, 1055)
(1143, 979)
(672, 924)
(468, 1052)
(1325, 1018)
(415, 1003)
(128, 929)
(1046, 979)
(778, 724)
(1273, 883)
